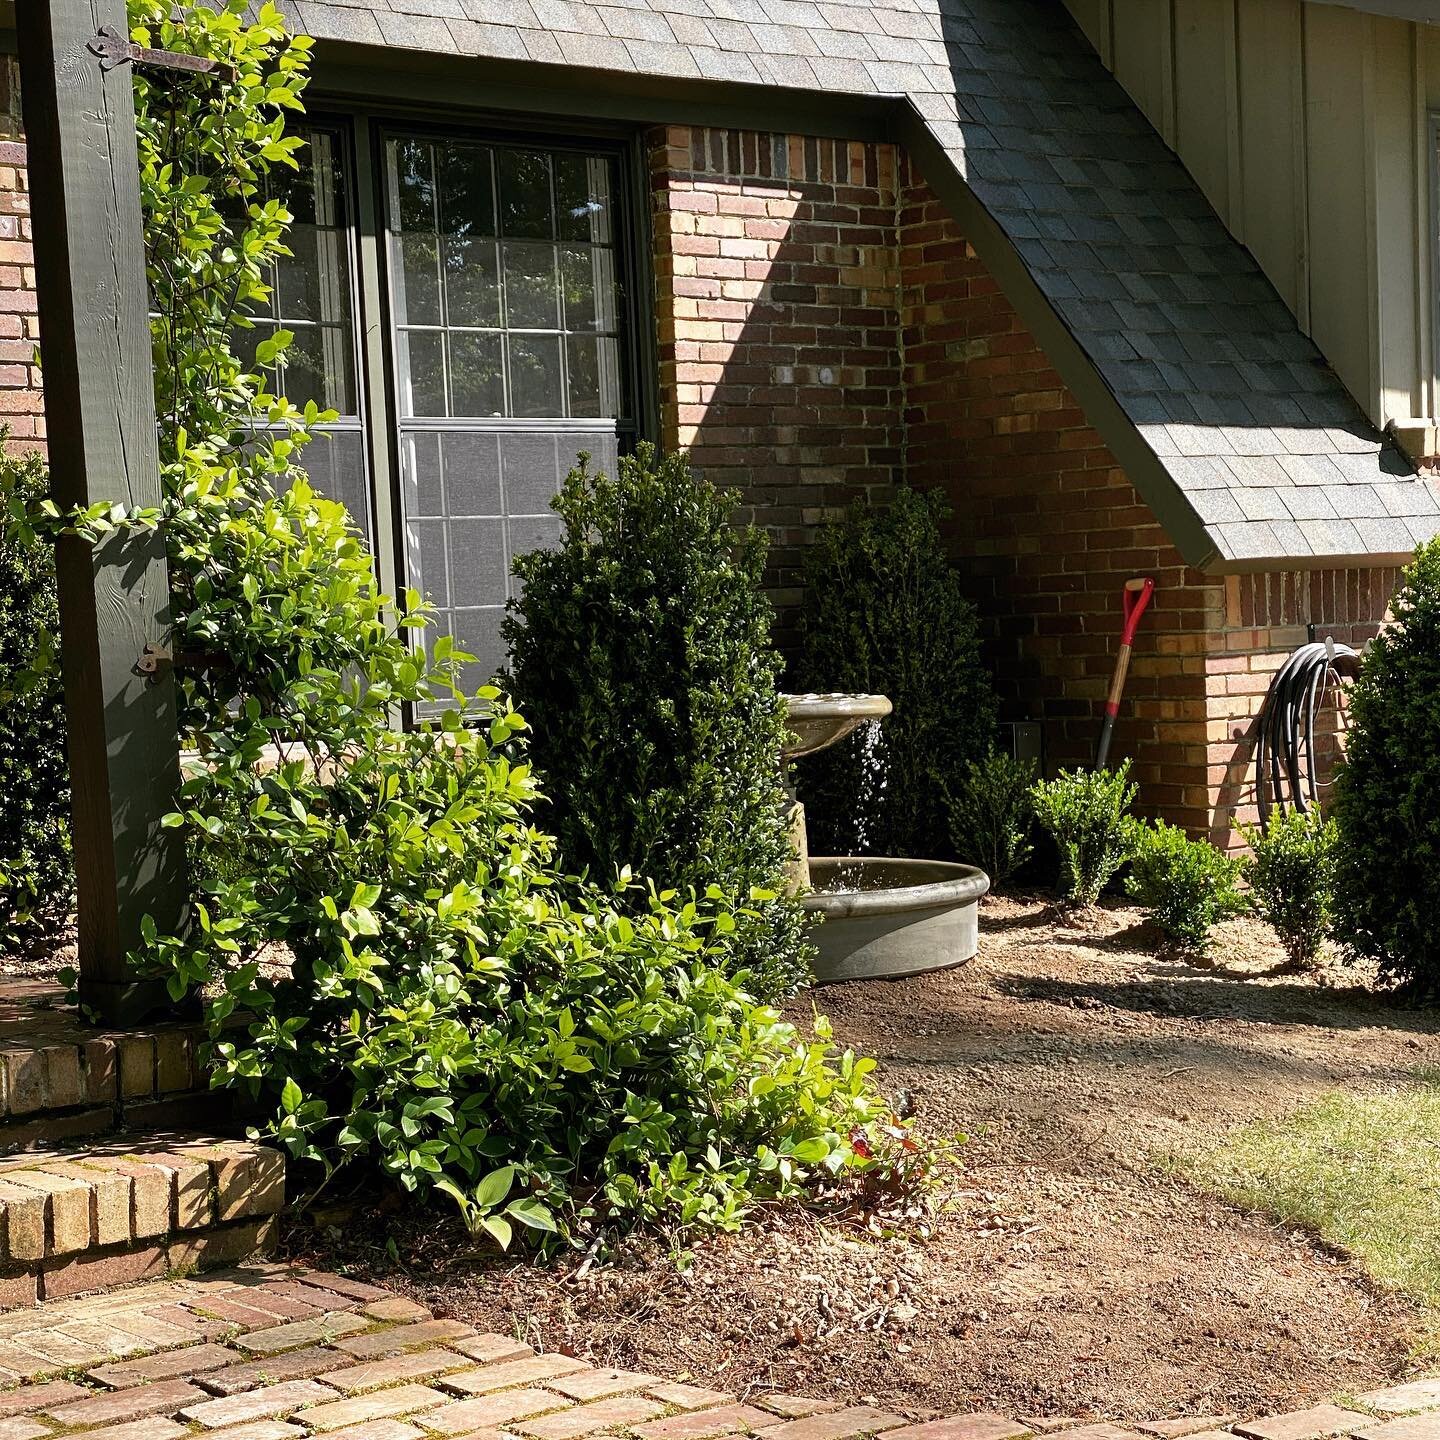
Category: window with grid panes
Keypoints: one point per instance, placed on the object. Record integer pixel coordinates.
(506, 310)
(312, 294)
(504, 346)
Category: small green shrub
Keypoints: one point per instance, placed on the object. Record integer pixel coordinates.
(36, 870)
(1387, 851)
(884, 614)
(1291, 870)
(992, 816)
(1087, 812)
(1188, 886)
(643, 640)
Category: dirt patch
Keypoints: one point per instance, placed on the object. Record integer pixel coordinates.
(40, 953)
(1073, 1271)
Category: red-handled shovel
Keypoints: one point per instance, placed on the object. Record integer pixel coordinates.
(1135, 598)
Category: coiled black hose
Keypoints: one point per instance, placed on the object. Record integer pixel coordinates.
(1285, 746)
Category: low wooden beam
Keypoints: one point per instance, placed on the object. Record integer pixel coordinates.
(100, 422)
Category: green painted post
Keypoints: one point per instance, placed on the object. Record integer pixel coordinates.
(100, 420)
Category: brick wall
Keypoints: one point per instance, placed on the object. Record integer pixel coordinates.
(21, 404)
(1047, 527)
(814, 349)
(778, 368)
(826, 332)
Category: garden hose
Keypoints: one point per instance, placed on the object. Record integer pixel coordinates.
(1285, 740)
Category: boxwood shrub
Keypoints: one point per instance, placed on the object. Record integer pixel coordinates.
(642, 645)
(36, 873)
(1387, 851)
(884, 614)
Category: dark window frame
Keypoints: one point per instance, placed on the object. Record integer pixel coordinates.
(358, 422)
(362, 126)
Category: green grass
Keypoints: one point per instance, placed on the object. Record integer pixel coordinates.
(1362, 1172)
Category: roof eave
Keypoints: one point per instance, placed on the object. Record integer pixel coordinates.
(1132, 452)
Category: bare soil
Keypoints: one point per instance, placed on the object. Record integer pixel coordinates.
(40, 954)
(1073, 1271)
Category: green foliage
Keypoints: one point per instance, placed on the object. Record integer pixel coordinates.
(1291, 871)
(885, 615)
(1387, 883)
(1088, 814)
(1188, 886)
(992, 817)
(412, 983)
(36, 875)
(552, 1062)
(268, 576)
(643, 639)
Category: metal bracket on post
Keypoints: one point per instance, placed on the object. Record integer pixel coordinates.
(159, 654)
(153, 657)
(114, 49)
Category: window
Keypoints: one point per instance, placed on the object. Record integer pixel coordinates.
(506, 315)
(312, 294)
(505, 345)
(503, 268)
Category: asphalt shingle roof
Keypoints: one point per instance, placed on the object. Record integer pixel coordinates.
(1250, 427)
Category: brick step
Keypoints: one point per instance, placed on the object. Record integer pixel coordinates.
(131, 1208)
(61, 1080)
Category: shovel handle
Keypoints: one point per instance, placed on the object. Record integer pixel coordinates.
(1134, 599)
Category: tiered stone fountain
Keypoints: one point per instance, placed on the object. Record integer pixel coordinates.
(883, 917)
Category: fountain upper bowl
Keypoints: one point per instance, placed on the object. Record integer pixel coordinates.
(820, 721)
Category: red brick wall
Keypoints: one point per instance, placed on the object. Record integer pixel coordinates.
(775, 256)
(1266, 618)
(1047, 527)
(813, 350)
(826, 332)
(21, 405)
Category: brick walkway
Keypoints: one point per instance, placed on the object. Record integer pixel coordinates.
(265, 1352)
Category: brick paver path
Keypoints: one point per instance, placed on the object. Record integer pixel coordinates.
(266, 1352)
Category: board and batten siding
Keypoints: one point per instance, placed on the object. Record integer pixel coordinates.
(1309, 128)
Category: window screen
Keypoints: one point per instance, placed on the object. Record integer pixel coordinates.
(506, 307)
(312, 294)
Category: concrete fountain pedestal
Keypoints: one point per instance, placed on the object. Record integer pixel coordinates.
(883, 917)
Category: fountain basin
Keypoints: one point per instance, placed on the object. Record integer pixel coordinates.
(886, 918)
(819, 721)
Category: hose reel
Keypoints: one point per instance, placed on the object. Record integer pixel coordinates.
(1285, 743)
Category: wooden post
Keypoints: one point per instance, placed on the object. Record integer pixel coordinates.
(100, 422)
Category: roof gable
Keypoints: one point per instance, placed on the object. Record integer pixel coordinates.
(1223, 412)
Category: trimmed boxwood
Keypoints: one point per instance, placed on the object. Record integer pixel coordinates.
(1387, 793)
(885, 614)
(36, 872)
(642, 646)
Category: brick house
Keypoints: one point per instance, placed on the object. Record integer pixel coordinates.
(830, 248)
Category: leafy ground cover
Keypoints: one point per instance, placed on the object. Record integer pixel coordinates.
(1076, 1268)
